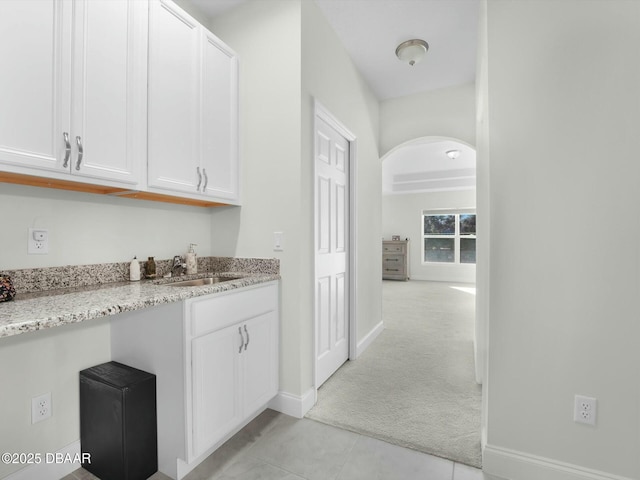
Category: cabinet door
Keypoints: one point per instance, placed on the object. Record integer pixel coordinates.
(173, 96)
(217, 407)
(219, 141)
(34, 40)
(109, 89)
(260, 361)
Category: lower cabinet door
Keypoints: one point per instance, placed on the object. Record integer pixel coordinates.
(260, 361)
(216, 386)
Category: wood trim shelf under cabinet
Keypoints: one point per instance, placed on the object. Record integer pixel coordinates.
(44, 182)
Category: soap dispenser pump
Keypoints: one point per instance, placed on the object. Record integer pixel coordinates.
(191, 260)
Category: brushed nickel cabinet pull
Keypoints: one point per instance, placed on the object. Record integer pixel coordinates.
(67, 150)
(80, 152)
(206, 180)
(247, 332)
(241, 340)
(199, 178)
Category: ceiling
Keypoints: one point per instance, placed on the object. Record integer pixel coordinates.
(370, 30)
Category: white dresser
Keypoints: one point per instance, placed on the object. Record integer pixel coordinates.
(395, 260)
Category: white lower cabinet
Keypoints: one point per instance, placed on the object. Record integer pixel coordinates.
(216, 362)
(233, 368)
(215, 381)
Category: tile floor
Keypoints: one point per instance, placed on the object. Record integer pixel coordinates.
(278, 447)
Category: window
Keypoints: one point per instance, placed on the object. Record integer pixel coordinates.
(449, 237)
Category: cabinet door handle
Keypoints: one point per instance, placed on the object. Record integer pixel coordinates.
(206, 180)
(80, 152)
(241, 340)
(199, 179)
(67, 150)
(247, 332)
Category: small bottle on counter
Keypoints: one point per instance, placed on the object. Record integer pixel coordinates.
(191, 260)
(150, 270)
(134, 270)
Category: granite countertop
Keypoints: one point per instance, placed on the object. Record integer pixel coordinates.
(38, 310)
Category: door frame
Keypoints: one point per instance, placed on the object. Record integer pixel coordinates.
(321, 112)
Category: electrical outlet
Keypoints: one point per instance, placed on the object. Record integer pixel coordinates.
(584, 410)
(41, 407)
(38, 241)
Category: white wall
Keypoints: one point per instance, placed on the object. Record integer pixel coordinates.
(329, 75)
(446, 112)
(402, 215)
(564, 116)
(266, 36)
(87, 228)
(483, 230)
(40, 362)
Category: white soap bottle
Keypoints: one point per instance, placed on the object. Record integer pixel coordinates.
(191, 260)
(134, 270)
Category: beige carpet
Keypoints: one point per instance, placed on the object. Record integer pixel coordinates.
(415, 385)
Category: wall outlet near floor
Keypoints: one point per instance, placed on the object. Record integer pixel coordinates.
(41, 407)
(38, 241)
(584, 410)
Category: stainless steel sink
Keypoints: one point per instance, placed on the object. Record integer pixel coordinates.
(199, 282)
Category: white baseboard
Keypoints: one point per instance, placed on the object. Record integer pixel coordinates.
(369, 338)
(53, 466)
(445, 279)
(514, 465)
(293, 405)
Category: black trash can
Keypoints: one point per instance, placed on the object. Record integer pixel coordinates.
(118, 418)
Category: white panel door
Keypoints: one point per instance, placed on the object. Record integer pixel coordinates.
(109, 89)
(34, 85)
(174, 94)
(219, 158)
(331, 244)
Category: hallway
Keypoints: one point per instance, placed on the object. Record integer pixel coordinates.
(415, 385)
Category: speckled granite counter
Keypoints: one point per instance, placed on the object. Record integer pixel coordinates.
(37, 308)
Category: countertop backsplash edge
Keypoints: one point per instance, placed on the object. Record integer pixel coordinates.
(74, 276)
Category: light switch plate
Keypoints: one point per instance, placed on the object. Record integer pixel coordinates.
(278, 241)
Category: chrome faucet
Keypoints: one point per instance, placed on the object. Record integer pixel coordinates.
(179, 266)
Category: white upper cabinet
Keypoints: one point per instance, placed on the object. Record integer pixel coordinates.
(193, 108)
(219, 156)
(74, 89)
(108, 117)
(174, 52)
(35, 86)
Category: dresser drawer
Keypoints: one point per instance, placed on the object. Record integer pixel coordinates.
(393, 248)
(392, 261)
(394, 271)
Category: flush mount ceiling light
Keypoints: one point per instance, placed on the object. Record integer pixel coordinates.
(412, 51)
(453, 154)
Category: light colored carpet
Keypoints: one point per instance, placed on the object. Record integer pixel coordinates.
(415, 385)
